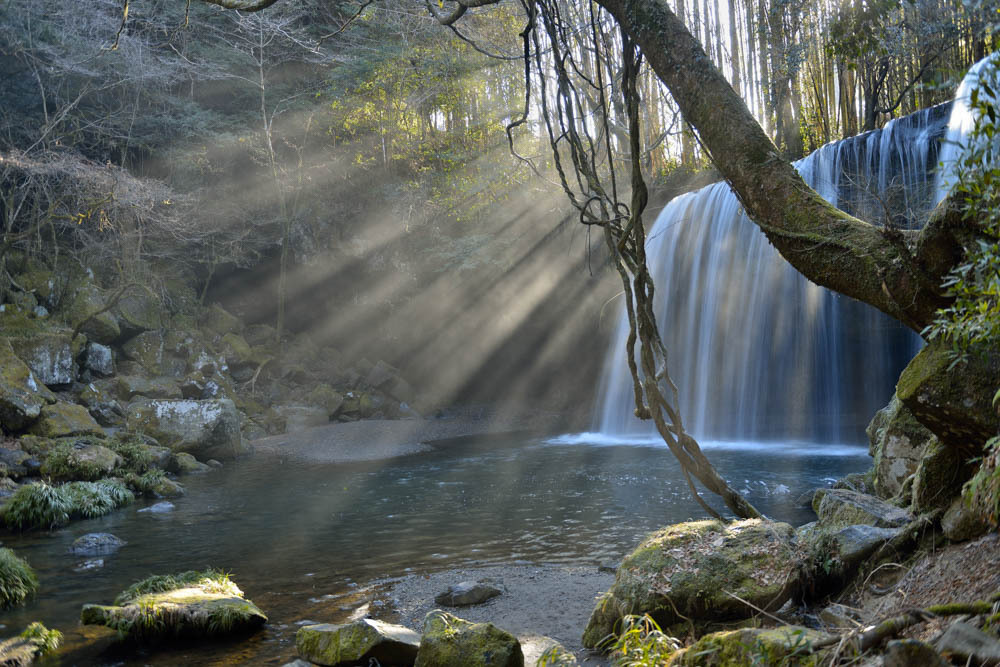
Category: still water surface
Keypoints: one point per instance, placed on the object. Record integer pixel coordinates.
(302, 540)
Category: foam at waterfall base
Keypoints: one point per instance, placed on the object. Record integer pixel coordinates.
(784, 448)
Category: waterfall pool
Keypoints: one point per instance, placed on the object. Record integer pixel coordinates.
(305, 540)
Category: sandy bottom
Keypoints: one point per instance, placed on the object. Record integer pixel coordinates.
(540, 603)
(376, 439)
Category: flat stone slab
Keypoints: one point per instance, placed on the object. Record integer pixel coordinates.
(466, 593)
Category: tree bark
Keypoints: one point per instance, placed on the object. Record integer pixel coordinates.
(831, 248)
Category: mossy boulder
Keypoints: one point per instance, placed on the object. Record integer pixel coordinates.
(127, 387)
(953, 401)
(101, 405)
(835, 554)
(218, 321)
(238, 353)
(21, 395)
(80, 460)
(87, 300)
(164, 487)
(209, 429)
(182, 463)
(788, 645)
(17, 580)
(838, 508)
(146, 349)
(49, 355)
(188, 605)
(65, 419)
(449, 641)
(693, 570)
(326, 397)
(896, 442)
(41, 282)
(940, 475)
(137, 311)
(99, 360)
(363, 642)
(963, 522)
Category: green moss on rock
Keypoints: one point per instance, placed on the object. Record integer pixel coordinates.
(449, 641)
(688, 570)
(953, 402)
(21, 395)
(65, 419)
(195, 604)
(363, 642)
(789, 646)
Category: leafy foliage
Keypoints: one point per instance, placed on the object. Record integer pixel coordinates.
(973, 321)
(94, 499)
(982, 492)
(642, 643)
(45, 640)
(17, 579)
(147, 481)
(136, 455)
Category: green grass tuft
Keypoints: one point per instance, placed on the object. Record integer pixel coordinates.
(146, 482)
(63, 464)
(210, 581)
(17, 579)
(136, 455)
(36, 506)
(642, 643)
(45, 640)
(94, 499)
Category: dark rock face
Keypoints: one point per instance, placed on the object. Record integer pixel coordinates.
(466, 593)
(363, 642)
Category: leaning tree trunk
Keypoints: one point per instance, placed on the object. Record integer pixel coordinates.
(881, 267)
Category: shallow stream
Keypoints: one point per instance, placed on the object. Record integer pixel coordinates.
(304, 540)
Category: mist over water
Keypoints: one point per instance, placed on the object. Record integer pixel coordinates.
(757, 351)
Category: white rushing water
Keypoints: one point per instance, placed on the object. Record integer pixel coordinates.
(759, 352)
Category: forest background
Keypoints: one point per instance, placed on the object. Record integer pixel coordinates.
(351, 162)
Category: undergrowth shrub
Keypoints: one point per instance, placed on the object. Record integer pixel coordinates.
(37, 506)
(210, 581)
(17, 579)
(642, 643)
(45, 640)
(136, 455)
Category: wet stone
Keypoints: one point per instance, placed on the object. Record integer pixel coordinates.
(466, 593)
(95, 544)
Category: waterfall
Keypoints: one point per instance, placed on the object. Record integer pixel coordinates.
(756, 350)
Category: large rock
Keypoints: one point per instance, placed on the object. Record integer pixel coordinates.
(838, 508)
(940, 476)
(449, 641)
(952, 401)
(208, 429)
(21, 398)
(188, 605)
(99, 360)
(218, 321)
(96, 544)
(363, 642)
(969, 644)
(80, 460)
(788, 645)
(834, 554)
(962, 522)
(101, 405)
(49, 355)
(691, 571)
(127, 387)
(137, 311)
(146, 349)
(896, 442)
(87, 300)
(65, 419)
(466, 593)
